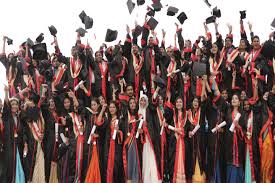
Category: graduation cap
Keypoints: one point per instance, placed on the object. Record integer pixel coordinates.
(268, 49)
(217, 12)
(199, 69)
(207, 3)
(82, 16)
(111, 35)
(9, 41)
(53, 30)
(81, 31)
(140, 2)
(159, 81)
(138, 30)
(273, 23)
(243, 14)
(40, 51)
(157, 6)
(171, 11)
(150, 12)
(40, 38)
(29, 42)
(211, 19)
(182, 17)
(152, 23)
(88, 21)
(130, 6)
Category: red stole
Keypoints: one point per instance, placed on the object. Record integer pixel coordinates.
(79, 158)
(137, 64)
(163, 140)
(75, 67)
(172, 67)
(59, 74)
(103, 73)
(196, 119)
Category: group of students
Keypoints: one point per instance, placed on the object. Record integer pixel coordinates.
(198, 113)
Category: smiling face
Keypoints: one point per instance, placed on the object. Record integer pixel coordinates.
(179, 104)
(14, 106)
(242, 44)
(67, 103)
(160, 100)
(112, 109)
(132, 104)
(51, 104)
(134, 49)
(235, 101)
(214, 49)
(265, 96)
(143, 102)
(256, 43)
(94, 106)
(246, 106)
(195, 103)
(130, 91)
(98, 56)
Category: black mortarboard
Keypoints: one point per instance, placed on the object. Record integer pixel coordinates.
(217, 12)
(53, 30)
(111, 35)
(157, 6)
(9, 41)
(130, 6)
(273, 23)
(138, 30)
(171, 11)
(182, 17)
(40, 38)
(152, 23)
(88, 21)
(82, 16)
(150, 12)
(159, 81)
(243, 14)
(29, 42)
(211, 19)
(199, 69)
(207, 3)
(268, 49)
(140, 2)
(40, 51)
(81, 31)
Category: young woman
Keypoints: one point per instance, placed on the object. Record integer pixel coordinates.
(113, 164)
(177, 120)
(197, 162)
(131, 147)
(150, 138)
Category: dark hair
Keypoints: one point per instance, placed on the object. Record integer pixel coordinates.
(117, 112)
(255, 37)
(217, 56)
(135, 111)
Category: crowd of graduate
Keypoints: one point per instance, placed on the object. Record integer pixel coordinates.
(192, 112)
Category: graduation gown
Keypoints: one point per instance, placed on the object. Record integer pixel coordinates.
(3, 163)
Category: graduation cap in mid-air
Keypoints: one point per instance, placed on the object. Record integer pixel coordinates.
(243, 14)
(207, 3)
(150, 12)
(111, 35)
(29, 42)
(9, 41)
(140, 2)
(152, 23)
(88, 21)
(82, 16)
(81, 31)
(211, 19)
(171, 11)
(138, 30)
(53, 30)
(157, 6)
(40, 38)
(273, 23)
(40, 51)
(217, 12)
(182, 17)
(130, 6)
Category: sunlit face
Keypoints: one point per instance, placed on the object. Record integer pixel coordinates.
(214, 49)
(224, 94)
(51, 104)
(130, 91)
(169, 52)
(243, 95)
(160, 100)
(195, 103)
(242, 44)
(143, 102)
(265, 96)
(179, 104)
(112, 109)
(256, 43)
(67, 103)
(14, 106)
(94, 105)
(235, 101)
(246, 106)
(98, 56)
(228, 43)
(132, 104)
(102, 100)
(134, 49)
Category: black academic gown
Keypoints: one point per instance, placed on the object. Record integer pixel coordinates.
(3, 163)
